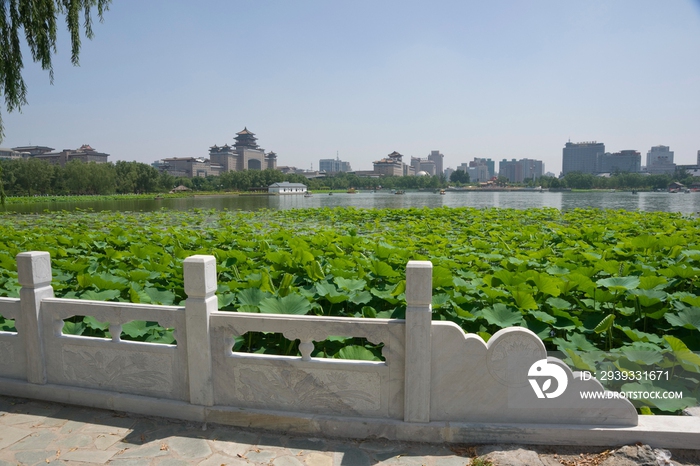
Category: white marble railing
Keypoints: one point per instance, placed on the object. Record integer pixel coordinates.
(432, 372)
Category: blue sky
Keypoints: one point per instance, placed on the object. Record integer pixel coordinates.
(495, 79)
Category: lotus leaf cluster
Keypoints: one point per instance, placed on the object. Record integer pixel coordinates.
(610, 290)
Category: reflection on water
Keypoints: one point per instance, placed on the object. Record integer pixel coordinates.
(684, 203)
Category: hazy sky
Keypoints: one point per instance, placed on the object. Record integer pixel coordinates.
(495, 79)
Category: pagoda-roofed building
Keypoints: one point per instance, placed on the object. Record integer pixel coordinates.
(247, 139)
(392, 165)
(245, 154)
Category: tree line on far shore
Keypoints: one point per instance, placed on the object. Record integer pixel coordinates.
(578, 180)
(30, 177)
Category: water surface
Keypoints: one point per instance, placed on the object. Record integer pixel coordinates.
(686, 203)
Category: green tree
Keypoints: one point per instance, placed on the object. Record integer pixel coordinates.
(76, 177)
(459, 176)
(32, 176)
(166, 181)
(37, 20)
(2, 189)
(136, 177)
(579, 180)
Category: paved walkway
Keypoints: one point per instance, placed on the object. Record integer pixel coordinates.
(40, 433)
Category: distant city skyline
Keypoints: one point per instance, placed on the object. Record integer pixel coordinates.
(470, 79)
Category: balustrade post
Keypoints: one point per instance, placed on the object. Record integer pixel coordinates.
(419, 291)
(34, 275)
(200, 285)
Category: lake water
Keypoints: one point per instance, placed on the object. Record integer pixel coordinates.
(686, 203)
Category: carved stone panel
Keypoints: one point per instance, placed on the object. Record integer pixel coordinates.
(12, 362)
(511, 354)
(135, 372)
(313, 390)
(472, 381)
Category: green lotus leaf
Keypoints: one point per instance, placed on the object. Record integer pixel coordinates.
(106, 295)
(349, 284)
(95, 324)
(680, 271)
(644, 242)
(523, 298)
(291, 304)
(73, 328)
(137, 328)
(369, 312)
(605, 324)
(160, 296)
(543, 317)
(362, 297)
(651, 282)
(556, 270)
(251, 296)
(139, 276)
(688, 318)
(692, 300)
(502, 316)
(648, 298)
(439, 300)
(659, 402)
(330, 292)
(315, 271)
(356, 352)
(506, 277)
(546, 284)
(637, 335)
(382, 269)
(618, 284)
(558, 303)
(584, 361)
(645, 358)
(442, 277)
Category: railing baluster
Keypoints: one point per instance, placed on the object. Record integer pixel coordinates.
(419, 290)
(34, 274)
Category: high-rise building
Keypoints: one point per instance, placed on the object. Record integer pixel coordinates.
(517, 171)
(448, 172)
(423, 165)
(581, 157)
(333, 166)
(431, 165)
(478, 172)
(660, 160)
(698, 161)
(488, 163)
(437, 157)
(629, 161)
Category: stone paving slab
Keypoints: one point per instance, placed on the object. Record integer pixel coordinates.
(11, 435)
(41, 433)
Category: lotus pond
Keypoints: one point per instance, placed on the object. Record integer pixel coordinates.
(611, 290)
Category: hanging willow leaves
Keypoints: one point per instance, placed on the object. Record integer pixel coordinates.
(36, 21)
